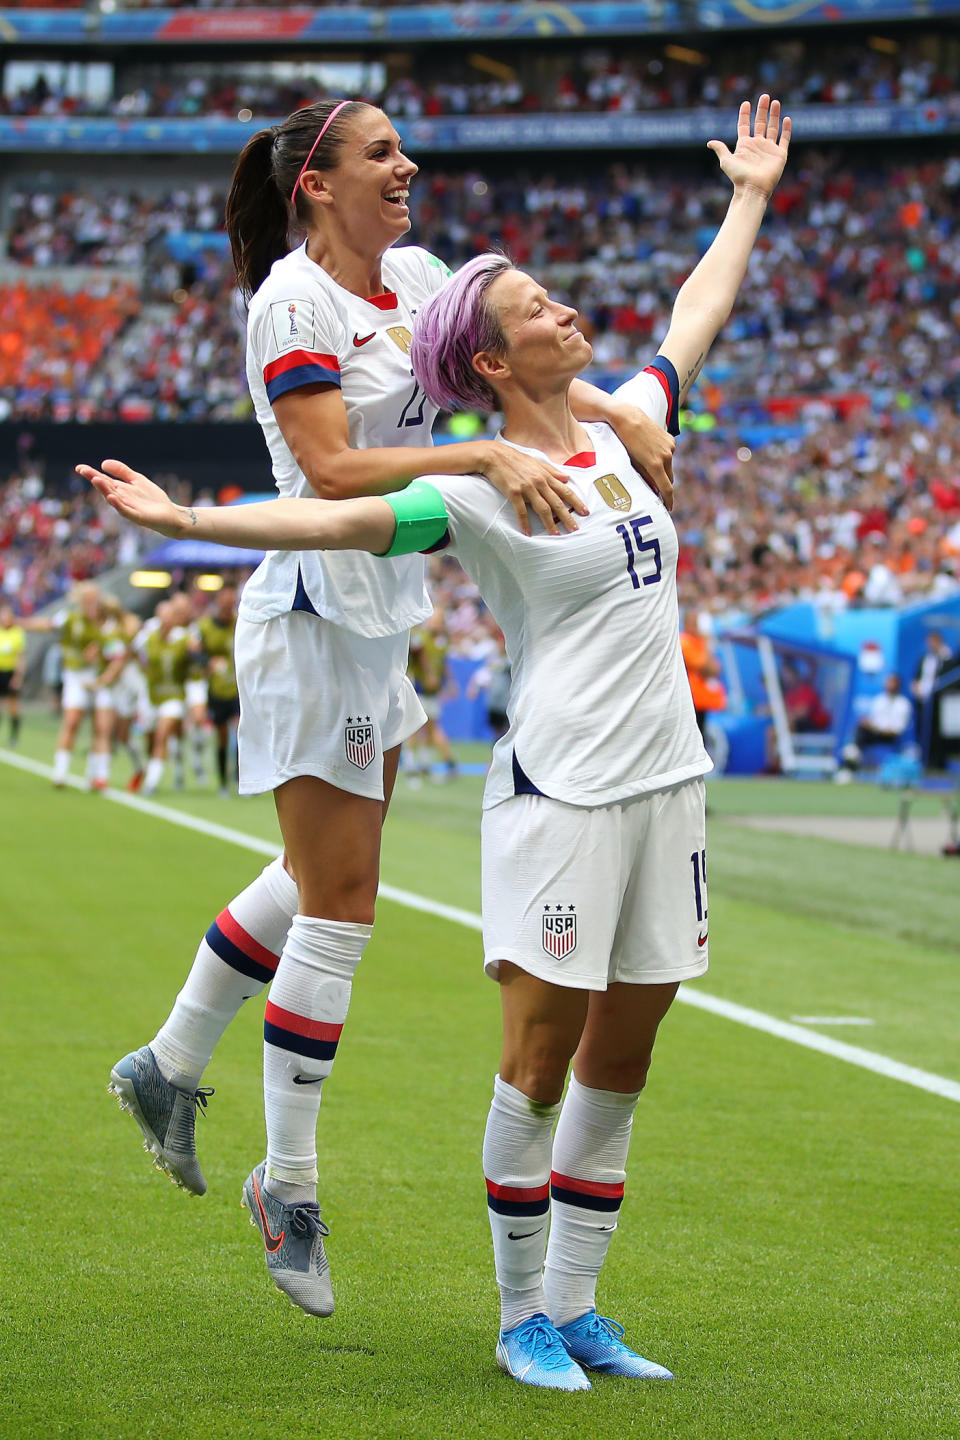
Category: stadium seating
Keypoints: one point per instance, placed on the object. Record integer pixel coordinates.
(827, 308)
(634, 77)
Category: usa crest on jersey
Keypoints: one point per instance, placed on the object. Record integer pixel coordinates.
(360, 741)
(559, 931)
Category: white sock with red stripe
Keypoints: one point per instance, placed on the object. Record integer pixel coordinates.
(308, 1005)
(236, 960)
(586, 1189)
(516, 1163)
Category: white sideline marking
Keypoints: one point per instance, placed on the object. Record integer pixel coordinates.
(740, 1014)
(866, 1059)
(832, 1020)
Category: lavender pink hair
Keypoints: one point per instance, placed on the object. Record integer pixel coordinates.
(454, 325)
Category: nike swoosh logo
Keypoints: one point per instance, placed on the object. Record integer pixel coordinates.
(299, 1080)
(702, 940)
(606, 1227)
(525, 1235)
(366, 339)
(265, 1224)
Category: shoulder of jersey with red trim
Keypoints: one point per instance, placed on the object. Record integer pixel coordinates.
(297, 368)
(663, 371)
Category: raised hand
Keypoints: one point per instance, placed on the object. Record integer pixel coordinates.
(136, 498)
(757, 162)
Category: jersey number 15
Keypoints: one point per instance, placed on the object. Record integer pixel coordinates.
(635, 545)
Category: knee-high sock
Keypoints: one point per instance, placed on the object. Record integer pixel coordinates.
(308, 1005)
(516, 1163)
(236, 959)
(155, 769)
(586, 1186)
(61, 766)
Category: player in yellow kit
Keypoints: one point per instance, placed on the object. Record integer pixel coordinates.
(217, 632)
(80, 630)
(13, 653)
(167, 654)
(428, 670)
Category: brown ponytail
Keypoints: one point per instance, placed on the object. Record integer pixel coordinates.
(259, 212)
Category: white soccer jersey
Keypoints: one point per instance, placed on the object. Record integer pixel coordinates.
(600, 706)
(303, 328)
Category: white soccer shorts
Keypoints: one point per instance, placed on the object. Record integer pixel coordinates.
(196, 694)
(118, 697)
(318, 699)
(126, 695)
(585, 897)
(166, 710)
(78, 689)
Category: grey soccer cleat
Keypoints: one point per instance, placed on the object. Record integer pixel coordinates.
(167, 1116)
(293, 1241)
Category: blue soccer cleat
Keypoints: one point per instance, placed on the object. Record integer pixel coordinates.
(293, 1238)
(533, 1353)
(598, 1344)
(166, 1116)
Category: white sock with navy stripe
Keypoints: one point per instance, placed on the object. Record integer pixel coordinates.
(516, 1163)
(236, 960)
(586, 1188)
(308, 1005)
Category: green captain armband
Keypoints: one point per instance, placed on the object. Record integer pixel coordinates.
(422, 519)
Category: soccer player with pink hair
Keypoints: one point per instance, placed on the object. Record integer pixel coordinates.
(593, 836)
(321, 641)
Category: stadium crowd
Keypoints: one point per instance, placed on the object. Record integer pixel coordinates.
(631, 78)
(853, 288)
(827, 414)
(54, 536)
(851, 513)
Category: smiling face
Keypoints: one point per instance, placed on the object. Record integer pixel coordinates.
(543, 349)
(367, 193)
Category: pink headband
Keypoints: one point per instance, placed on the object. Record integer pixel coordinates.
(326, 126)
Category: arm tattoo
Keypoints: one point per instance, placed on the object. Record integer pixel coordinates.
(192, 514)
(692, 373)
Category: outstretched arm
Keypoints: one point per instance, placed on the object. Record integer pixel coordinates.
(363, 524)
(706, 297)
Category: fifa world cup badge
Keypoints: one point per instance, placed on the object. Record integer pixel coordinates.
(613, 492)
(559, 933)
(401, 337)
(360, 741)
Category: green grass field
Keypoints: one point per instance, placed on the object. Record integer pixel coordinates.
(789, 1242)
